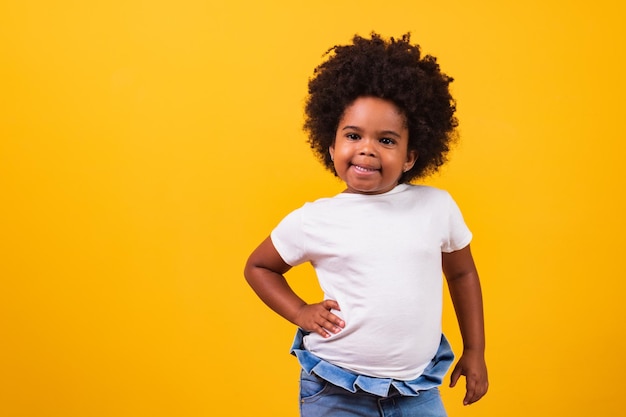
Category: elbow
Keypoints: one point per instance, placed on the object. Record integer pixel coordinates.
(248, 271)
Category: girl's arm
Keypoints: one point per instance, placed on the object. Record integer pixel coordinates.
(264, 272)
(466, 295)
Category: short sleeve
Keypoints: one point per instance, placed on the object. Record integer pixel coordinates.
(289, 239)
(458, 234)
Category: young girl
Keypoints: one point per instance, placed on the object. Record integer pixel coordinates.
(378, 116)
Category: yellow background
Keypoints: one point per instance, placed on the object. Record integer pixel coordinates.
(146, 147)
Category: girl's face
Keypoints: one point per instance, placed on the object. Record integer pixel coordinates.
(370, 151)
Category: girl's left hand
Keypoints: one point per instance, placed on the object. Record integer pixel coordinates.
(472, 365)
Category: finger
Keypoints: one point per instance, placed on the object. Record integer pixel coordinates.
(321, 331)
(481, 390)
(331, 305)
(333, 318)
(332, 324)
(477, 396)
(470, 391)
(454, 377)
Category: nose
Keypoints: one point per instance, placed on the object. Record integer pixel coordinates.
(367, 147)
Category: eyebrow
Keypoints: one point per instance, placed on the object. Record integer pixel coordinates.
(384, 132)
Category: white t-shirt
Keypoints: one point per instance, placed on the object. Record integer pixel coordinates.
(379, 257)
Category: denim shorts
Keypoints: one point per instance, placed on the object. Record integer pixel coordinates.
(328, 390)
(320, 398)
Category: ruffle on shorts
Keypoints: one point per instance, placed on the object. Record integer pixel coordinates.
(431, 377)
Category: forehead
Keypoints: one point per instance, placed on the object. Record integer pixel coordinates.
(373, 111)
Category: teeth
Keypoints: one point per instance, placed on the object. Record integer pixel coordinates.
(360, 168)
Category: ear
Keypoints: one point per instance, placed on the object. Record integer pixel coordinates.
(411, 158)
(331, 151)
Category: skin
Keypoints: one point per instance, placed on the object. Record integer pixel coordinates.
(464, 285)
(370, 153)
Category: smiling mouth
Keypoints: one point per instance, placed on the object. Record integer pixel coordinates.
(363, 169)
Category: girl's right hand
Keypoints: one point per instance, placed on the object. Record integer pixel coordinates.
(319, 319)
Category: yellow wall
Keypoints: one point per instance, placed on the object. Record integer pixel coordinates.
(146, 147)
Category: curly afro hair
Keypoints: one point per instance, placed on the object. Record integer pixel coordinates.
(393, 70)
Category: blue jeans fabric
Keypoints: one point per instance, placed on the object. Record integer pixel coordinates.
(320, 398)
(328, 390)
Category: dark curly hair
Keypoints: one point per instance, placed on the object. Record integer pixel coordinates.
(393, 70)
